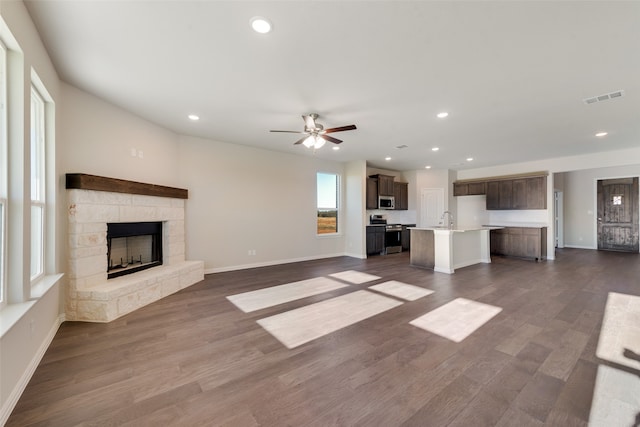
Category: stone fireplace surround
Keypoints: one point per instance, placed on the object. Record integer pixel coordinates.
(92, 203)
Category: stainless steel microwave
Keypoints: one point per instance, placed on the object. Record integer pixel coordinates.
(386, 202)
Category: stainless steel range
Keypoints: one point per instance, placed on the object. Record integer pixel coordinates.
(392, 240)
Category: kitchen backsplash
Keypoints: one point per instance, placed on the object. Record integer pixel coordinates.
(394, 217)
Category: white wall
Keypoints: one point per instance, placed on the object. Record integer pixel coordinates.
(242, 198)
(354, 202)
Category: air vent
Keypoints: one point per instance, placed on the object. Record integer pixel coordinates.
(604, 97)
(400, 147)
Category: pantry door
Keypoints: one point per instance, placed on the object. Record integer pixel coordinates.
(618, 214)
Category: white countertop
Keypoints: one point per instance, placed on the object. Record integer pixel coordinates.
(459, 229)
(519, 224)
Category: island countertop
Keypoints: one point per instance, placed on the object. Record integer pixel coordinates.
(459, 229)
(444, 249)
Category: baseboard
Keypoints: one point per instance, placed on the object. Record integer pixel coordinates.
(270, 263)
(15, 394)
(579, 247)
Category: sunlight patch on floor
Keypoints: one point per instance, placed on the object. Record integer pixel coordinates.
(616, 398)
(457, 319)
(616, 393)
(275, 295)
(354, 277)
(299, 326)
(401, 290)
(620, 333)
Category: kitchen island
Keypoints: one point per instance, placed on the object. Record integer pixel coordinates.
(445, 249)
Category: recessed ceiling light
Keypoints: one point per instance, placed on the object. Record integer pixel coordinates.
(336, 148)
(387, 158)
(435, 149)
(260, 25)
(427, 167)
(601, 134)
(469, 159)
(193, 117)
(442, 115)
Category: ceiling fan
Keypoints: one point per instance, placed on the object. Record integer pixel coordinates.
(315, 135)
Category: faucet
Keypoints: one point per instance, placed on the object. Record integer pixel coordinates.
(450, 225)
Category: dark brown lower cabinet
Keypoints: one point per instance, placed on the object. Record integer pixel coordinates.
(405, 237)
(522, 242)
(375, 239)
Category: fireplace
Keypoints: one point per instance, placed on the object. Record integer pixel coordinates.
(133, 247)
(117, 227)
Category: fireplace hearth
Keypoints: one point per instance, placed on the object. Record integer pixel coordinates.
(133, 247)
(117, 227)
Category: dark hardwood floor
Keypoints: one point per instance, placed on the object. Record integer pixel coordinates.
(193, 358)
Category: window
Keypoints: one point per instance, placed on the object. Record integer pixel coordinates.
(3, 172)
(327, 204)
(37, 184)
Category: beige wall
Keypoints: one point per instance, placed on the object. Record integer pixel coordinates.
(243, 198)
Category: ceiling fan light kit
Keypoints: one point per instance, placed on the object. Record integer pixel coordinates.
(316, 134)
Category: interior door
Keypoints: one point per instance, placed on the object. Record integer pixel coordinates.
(432, 206)
(618, 214)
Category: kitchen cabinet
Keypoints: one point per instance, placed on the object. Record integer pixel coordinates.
(518, 193)
(372, 193)
(499, 195)
(375, 239)
(385, 185)
(401, 194)
(469, 188)
(405, 237)
(537, 192)
(522, 242)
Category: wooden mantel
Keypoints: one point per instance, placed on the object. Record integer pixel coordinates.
(83, 181)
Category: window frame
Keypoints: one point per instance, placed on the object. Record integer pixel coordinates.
(337, 207)
(4, 178)
(38, 183)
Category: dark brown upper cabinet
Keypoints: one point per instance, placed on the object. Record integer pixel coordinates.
(372, 193)
(517, 193)
(469, 188)
(385, 185)
(401, 194)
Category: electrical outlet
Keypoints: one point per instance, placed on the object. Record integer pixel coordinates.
(134, 152)
(140, 154)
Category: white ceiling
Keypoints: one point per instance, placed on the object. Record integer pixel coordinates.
(512, 74)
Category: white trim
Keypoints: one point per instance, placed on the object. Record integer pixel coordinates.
(270, 263)
(580, 247)
(15, 394)
(12, 313)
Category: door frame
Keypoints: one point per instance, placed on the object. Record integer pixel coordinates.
(595, 203)
(439, 193)
(558, 217)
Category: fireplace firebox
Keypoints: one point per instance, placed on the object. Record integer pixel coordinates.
(132, 247)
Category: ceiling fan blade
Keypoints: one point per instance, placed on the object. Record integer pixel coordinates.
(301, 140)
(287, 131)
(340, 129)
(331, 139)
